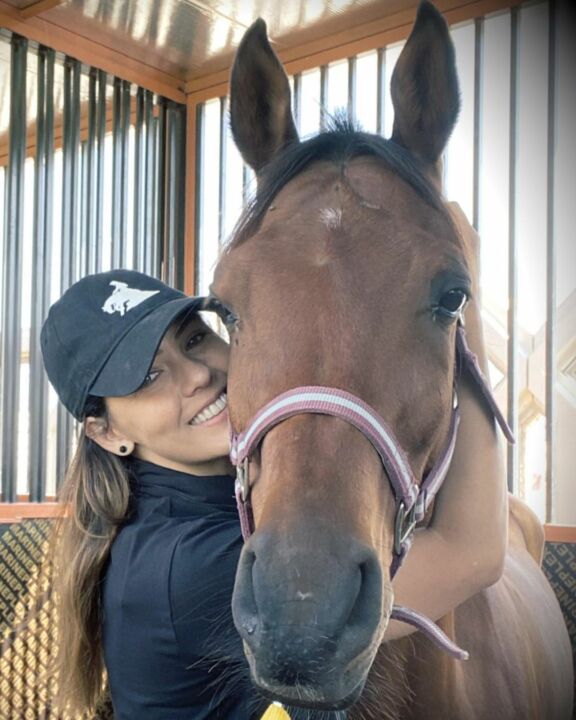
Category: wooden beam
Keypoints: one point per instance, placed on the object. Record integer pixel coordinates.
(92, 53)
(362, 38)
(15, 512)
(560, 533)
(39, 7)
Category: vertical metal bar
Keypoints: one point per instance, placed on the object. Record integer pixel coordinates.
(512, 451)
(245, 185)
(222, 171)
(139, 183)
(149, 184)
(83, 202)
(199, 218)
(75, 159)
(551, 480)
(125, 172)
(69, 249)
(117, 242)
(352, 88)
(99, 180)
(160, 269)
(36, 438)
(10, 329)
(478, 93)
(323, 97)
(297, 103)
(174, 195)
(41, 272)
(381, 92)
(12, 262)
(90, 199)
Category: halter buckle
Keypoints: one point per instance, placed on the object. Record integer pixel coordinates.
(242, 484)
(403, 526)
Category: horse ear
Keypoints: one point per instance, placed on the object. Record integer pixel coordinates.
(260, 108)
(424, 87)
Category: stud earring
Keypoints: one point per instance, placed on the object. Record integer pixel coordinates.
(123, 449)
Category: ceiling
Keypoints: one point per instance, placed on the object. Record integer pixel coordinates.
(191, 38)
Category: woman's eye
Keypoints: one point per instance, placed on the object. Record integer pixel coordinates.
(195, 339)
(149, 379)
(230, 320)
(451, 304)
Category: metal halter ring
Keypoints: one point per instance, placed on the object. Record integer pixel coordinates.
(243, 480)
(403, 526)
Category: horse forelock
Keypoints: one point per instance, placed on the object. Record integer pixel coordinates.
(340, 143)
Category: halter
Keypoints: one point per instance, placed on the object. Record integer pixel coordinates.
(412, 498)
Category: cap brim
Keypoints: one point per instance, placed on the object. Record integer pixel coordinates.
(128, 364)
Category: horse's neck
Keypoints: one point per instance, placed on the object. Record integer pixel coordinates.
(387, 694)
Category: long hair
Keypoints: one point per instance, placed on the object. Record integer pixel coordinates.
(95, 499)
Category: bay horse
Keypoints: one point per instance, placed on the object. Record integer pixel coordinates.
(327, 283)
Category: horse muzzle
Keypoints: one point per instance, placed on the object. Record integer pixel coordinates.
(310, 615)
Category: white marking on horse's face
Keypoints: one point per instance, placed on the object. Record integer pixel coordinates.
(331, 217)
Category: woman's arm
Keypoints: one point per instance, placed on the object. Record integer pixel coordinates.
(462, 550)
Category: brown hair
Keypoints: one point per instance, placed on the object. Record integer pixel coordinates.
(95, 499)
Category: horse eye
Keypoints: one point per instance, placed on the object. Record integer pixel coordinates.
(452, 303)
(223, 312)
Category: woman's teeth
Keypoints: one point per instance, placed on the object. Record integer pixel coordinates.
(211, 411)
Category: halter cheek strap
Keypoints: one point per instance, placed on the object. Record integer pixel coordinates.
(412, 499)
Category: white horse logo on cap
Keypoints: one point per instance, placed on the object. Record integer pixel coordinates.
(125, 298)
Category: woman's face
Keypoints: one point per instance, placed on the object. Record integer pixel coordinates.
(178, 418)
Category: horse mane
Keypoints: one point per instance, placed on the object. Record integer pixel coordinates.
(341, 141)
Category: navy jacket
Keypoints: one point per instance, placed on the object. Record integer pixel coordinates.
(170, 647)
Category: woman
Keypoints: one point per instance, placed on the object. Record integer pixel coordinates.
(147, 557)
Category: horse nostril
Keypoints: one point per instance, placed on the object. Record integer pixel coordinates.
(244, 610)
(367, 609)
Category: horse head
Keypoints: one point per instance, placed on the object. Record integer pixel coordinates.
(347, 271)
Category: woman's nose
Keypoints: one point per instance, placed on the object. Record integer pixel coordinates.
(194, 375)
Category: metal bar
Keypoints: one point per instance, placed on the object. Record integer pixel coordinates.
(36, 434)
(117, 244)
(83, 202)
(551, 480)
(160, 192)
(41, 272)
(12, 264)
(99, 181)
(512, 350)
(174, 195)
(90, 199)
(125, 171)
(323, 97)
(199, 218)
(297, 103)
(478, 93)
(149, 184)
(75, 171)
(139, 183)
(245, 183)
(381, 92)
(69, 248)
(222, 170)
(352, 88)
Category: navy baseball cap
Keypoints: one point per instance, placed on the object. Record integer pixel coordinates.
(101, 337)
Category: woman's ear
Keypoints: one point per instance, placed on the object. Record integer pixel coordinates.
(97, 429)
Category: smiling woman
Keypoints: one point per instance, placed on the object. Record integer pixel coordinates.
(146, 556)
(178, 417)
